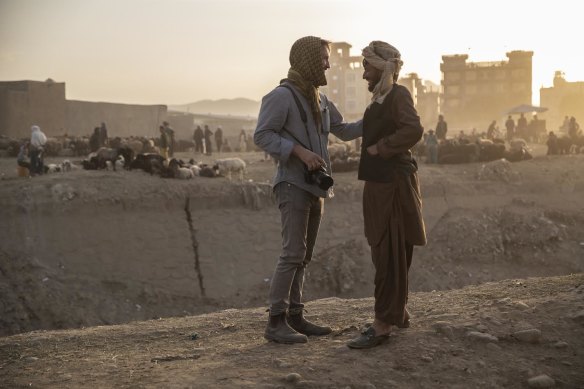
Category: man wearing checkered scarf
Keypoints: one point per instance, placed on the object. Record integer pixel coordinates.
(294, 123)
(392, 206)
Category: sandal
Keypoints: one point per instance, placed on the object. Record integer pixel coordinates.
(368, 339)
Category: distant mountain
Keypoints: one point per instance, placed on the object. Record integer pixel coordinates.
(236, 107)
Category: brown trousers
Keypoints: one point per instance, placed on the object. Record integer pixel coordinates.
(393, 225)
(391, 279)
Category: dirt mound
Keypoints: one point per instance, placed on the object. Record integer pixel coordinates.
(337, 271)
(498, 170)
(519, 240)
(509, 334)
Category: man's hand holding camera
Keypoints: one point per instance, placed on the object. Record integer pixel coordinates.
(312, 160)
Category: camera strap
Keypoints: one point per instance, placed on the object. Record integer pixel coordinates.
(302, 116)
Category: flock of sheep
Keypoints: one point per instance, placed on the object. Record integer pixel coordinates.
(155, 164)
(141, 153)
(343, 158)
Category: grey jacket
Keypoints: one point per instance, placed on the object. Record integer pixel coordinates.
(279, 116)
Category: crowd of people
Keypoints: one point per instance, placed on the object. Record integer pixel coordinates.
(31, 152)
(532, 131)
(564, 145)
(202, 139)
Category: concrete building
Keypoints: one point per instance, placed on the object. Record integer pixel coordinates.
(426, 96)
(24, 103)
(121, 119)
(184, 124)
(476, 93)
(562, 99)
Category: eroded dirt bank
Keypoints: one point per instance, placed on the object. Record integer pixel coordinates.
(89, 248)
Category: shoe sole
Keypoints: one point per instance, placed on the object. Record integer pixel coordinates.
(405, 324)
(277, 340)
(362, 347)
(306, 334)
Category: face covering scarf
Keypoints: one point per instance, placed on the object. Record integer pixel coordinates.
(307, 72)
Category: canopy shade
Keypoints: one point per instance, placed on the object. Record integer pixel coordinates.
(525, 108)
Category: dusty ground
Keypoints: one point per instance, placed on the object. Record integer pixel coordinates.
(88, 248)
(489, 336)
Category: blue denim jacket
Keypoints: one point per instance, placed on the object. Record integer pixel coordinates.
(279, 117)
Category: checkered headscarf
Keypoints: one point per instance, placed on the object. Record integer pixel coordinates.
(306, 59)
(306, 71)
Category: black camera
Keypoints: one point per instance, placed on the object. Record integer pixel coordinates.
(319, 177)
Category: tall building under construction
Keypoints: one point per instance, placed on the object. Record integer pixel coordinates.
(563, 99)
(476, 93)
(472, 94)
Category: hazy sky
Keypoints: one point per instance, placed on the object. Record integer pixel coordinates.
(179, 51)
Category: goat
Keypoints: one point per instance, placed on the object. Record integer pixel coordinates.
(227, 166)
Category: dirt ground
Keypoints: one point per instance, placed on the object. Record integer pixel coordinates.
(511, 334)
(88, 248)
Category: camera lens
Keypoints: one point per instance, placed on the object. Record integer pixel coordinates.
(323, 180)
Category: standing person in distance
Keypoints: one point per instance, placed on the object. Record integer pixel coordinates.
(103, 137)
(171, 141)
(208, 144)
(164, 142)
(38, 139)
(510, 126)
(441, 128)
(198, 139)
(219, 138)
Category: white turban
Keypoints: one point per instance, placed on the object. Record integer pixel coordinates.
(386, 58)
(37, 138)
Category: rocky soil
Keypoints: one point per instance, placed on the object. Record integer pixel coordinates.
(516, 333)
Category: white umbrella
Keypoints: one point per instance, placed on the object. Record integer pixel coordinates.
(525, 108)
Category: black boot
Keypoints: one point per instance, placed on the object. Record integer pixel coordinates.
(279, 331)
(300, 324)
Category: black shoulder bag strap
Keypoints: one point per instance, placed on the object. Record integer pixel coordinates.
(302, 116)
(298, 104)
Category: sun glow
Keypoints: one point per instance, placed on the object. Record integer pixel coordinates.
(173, 52)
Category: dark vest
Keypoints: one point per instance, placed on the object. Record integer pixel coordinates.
(378, 122)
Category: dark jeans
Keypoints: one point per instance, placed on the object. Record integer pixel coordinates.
(208, 147)
(301, 213)
(199, 146)
(36, 162)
